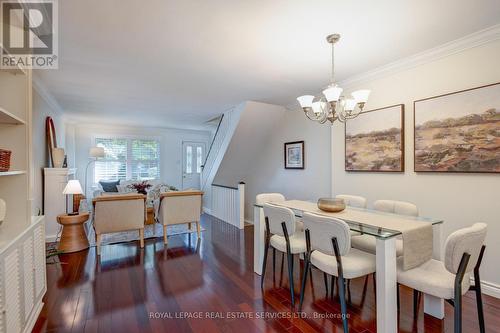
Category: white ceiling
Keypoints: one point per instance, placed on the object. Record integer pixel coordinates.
(179, 63)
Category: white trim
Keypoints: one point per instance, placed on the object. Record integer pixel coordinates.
(489, 288)
(475, 39)
(248, 221)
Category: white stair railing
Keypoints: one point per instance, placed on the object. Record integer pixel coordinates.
(220, 141)
(228, 204)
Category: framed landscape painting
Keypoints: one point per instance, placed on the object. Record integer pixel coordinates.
(294, 155)
(459, 132)
(374, 140)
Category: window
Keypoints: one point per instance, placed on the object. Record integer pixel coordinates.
(136, 159)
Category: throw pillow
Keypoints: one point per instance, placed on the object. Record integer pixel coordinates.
(109, 185)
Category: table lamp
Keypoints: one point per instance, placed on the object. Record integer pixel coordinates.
(73, 187)
(94, 154)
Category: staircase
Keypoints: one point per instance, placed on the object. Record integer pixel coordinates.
(238, 140)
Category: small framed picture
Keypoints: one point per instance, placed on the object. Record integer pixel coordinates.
(294, 155)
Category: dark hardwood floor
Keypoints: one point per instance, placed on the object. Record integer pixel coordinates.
(166, 290)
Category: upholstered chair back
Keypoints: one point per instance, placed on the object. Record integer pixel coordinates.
(114, 213)
(277, 215)
(322, 229)
(353, 200)
(178, 207)
(269, 197)
(468, 240)
(396, 207)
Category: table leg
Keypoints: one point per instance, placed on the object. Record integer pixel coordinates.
(387, 311)
(258, 239)
(432, 305)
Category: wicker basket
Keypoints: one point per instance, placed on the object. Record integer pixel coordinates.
(5, 160)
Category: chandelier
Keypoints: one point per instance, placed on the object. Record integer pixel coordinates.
(332, 105)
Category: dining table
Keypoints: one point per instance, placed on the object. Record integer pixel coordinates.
(363, 220)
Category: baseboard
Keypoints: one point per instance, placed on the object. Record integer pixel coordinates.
(207, 210)
(50, 238)
(489, 288)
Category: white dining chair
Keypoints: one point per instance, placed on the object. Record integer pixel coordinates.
(368, 243)
(352, 200)
(396, 207)
(328, 244)
(263, 198)
(281, 234)
(450, 279)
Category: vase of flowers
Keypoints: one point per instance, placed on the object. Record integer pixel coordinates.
(140, 187)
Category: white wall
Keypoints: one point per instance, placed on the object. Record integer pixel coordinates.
(268, 172)
(170, 147)
(41, 110)
(459, 199)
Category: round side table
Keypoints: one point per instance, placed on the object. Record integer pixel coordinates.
(73, 237)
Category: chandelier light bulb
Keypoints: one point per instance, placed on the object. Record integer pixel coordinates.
(306, 101)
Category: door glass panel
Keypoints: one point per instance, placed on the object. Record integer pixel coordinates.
(198, 159)
(189, 159)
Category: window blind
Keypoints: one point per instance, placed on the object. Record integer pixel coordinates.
(131, 159)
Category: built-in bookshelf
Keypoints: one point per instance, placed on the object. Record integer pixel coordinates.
(22, 236)
(15, 114)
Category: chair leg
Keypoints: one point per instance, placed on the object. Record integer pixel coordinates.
(415, 302)
(198, 229)
(457, 318)
(343, 305)
(98, 243)
(141, 237)
(325, 277)
(397, 296)
(164, 234)
(479, 301)
(332, 285)
(290, 276)
(189, 226)
(264, 262)
(274, 261)
(304, 280)
(349, 291)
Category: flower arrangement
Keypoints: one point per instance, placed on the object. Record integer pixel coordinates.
(140, 187)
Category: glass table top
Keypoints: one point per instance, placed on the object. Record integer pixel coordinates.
(368, 229)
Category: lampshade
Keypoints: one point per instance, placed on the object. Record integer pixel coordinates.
(332, 93)
(73, 187)
(305, 101)
(350, 104)
(96, 152)
(318, 107)
(361, 96)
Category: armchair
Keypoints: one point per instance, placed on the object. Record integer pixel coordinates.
(182, 207)
(115, 213)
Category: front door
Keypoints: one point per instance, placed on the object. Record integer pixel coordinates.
(193, 155)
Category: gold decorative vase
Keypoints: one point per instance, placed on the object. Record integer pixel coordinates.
(331, 205)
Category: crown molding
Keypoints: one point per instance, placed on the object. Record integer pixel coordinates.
(473, 40)
(40, 88)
